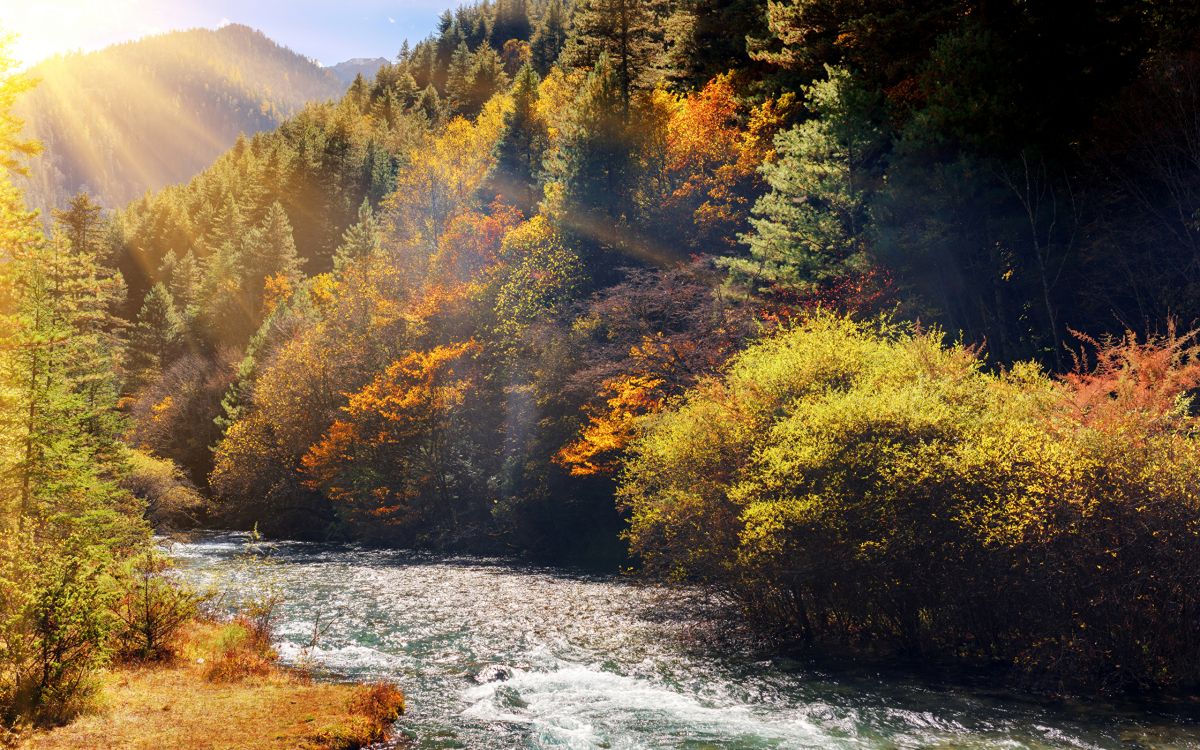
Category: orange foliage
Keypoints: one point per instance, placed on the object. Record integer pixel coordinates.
(610, 430)
(1125, 382)
(712, 160)
(393, 433)
(277, 289)
(472, 242)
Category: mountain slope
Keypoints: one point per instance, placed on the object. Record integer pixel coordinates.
(367, 67)
(159, 109)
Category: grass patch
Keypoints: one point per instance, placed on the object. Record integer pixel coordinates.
(189, 703)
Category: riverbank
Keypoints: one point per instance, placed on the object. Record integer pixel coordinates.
(180, 705)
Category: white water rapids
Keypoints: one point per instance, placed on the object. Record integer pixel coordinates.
(493, 654)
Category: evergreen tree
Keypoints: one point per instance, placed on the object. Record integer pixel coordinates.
(449, 38)
(459, 78)
(515, 176)
(83, 225)
(430, 104)
(487, 78)
(360, 240)
(183, 278)
(812, 227)
(622, 29)
(157, 335)
(358, 95)
(511, 22)
(550, 37)
(595, 162)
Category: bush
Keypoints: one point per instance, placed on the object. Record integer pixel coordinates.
(53, 632)
(151, 607)
(239, 653)
(172, 501)
(868, 486)
(373, 709)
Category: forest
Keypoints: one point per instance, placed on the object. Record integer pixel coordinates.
(875, 318)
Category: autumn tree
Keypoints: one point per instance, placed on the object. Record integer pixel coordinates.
(393, 464)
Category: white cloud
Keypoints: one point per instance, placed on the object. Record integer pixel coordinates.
(223, 22)
(391, 20)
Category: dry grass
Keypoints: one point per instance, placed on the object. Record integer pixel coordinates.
(160, 707)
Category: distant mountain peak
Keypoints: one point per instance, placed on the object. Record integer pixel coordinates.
(365, 66)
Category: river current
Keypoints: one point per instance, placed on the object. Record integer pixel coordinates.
(495, 654)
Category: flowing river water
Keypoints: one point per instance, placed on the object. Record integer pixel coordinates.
(494, 654)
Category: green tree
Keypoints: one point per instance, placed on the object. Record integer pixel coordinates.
(812, 227)
(157, 336)
(594, 161)
(511, 21)
(360, 240)
(621, 29)
(549, 37)
(519, 152)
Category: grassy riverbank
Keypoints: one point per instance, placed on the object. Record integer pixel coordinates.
(187, 703)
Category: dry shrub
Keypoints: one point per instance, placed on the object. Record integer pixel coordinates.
(381, 702)
(374, 707)
(240, 652)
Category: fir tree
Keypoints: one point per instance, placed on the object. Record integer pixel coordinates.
(811, 227)
(157, 335)
(548, 40)
(360, 240)
(511, 22)
(622, 29)
(519, 151)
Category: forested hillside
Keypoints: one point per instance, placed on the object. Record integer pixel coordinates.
(566, 279)
(146, 114)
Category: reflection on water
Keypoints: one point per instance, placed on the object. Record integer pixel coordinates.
(499, 655)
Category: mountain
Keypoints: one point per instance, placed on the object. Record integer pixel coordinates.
(159, 109)
(367, 67)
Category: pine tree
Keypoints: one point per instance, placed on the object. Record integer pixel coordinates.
(595, 162)
(83, 225)
(360, 240)
(487, 77)
(449, 37)
(430, 103)
(358, 96)
(515, 176)
(811, 228)
(622, 29)
(511, 22)
(157, 335)
(183, 278)
(550, 37)
(458, 78)
(270, 261)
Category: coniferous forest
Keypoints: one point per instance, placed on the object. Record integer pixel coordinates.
(875, 320)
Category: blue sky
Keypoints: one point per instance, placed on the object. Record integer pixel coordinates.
(327, 31)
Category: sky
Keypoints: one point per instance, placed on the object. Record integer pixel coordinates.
(329, 31)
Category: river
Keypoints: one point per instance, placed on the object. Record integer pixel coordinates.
(495, 654)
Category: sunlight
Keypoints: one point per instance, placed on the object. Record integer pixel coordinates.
(45, 29)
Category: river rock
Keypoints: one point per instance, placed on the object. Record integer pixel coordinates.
(493, 673)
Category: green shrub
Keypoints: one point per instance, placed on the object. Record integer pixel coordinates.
(54, 631)
(151, 608)
(867, 485)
